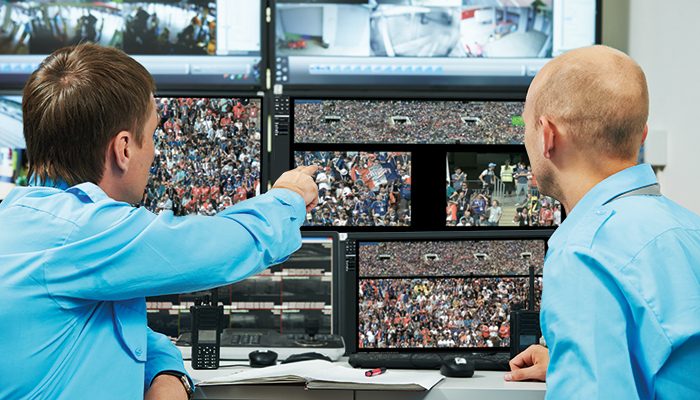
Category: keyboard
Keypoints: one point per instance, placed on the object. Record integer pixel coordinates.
(482, 361)
(236, 344)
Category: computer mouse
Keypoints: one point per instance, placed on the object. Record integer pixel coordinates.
(262, 358)
(312, 355)
(457, 367)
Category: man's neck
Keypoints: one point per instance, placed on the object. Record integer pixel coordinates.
(576, 183)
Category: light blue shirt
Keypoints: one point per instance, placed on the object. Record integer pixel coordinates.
(75, 267)
(621, 300)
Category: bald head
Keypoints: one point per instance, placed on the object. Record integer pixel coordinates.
(597, 95)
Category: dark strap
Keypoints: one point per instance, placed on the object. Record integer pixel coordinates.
(651, 190)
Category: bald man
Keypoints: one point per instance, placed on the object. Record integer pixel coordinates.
(621, 302)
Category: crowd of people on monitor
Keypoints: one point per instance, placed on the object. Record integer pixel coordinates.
(444, 258)
(471, 201)
(360, 188)
(404, 121)
(438, 313)
(207, 155)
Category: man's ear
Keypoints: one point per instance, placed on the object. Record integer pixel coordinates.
(549, 136)
(646, 132)
(121, 149)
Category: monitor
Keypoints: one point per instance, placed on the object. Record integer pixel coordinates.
(207, 154)
(449, 44)
(382, 158)
(441, 291)
(192, 42)
(285, 298)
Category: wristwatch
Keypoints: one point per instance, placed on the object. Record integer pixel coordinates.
(183, 379)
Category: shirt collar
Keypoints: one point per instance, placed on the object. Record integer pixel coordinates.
(87, 192)
(625, 181)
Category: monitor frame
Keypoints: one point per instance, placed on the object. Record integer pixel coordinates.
(352, 278)
(492, 85)
(15, 81)
(284, 148)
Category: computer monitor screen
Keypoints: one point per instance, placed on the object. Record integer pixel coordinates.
(496, 189)
(425, 42)
(408, 121)
(186, 42)
(442, 293)
(359, 188)
(208, 153)
(285, 298)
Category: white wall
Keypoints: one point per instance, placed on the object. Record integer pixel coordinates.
(664, 38)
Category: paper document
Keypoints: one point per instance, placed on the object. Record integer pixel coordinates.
(319, 374)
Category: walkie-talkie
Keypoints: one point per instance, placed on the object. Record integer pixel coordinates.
(525, 324)
(207, 317)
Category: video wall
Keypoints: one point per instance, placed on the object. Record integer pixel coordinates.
(411, 109)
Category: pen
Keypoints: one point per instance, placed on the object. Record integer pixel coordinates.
(375, 372)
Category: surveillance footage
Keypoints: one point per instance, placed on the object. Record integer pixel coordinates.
(415, 28)
(207, 155)
(450, 258)
(137, 27)
(403, 313)
(360, 188)
(496, 189)
(408, 121)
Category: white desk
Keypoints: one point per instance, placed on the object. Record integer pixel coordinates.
(483, 385)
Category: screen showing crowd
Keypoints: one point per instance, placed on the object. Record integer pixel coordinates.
(207, 155)
(409, 28)
(496, 189)
(360, 188)
(408, 121)
(450, 258)
(137, 27)
(410, 313)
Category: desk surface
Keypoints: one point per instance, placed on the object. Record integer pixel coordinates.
(483, 385)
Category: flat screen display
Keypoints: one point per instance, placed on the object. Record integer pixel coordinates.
(425, 42)
(210, 43)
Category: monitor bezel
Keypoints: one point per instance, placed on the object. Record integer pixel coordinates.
(15, 82)
(285, 147)
(353, 278)
(379, 88)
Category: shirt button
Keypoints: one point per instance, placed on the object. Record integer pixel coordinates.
(137, 351)
(600, 212)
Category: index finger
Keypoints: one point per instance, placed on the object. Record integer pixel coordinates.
(308, 169)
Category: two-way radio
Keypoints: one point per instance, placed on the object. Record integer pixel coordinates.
(207, 317)
(525, 324)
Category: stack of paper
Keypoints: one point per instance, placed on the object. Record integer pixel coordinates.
(319, 374)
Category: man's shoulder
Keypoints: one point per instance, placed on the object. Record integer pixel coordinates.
(79, 205)
(623, 228)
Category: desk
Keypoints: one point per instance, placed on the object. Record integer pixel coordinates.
(483, 385)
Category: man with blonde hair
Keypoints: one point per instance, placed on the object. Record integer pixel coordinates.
(621, 303)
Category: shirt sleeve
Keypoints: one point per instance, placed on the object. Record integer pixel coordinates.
(142, 254)
(584, 314)
(162, 356)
